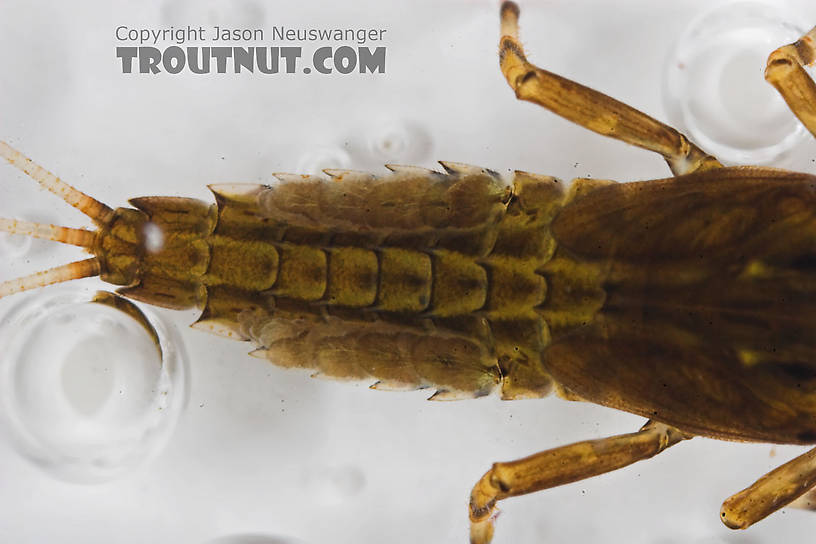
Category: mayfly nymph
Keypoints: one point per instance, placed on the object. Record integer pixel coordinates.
(690, 300)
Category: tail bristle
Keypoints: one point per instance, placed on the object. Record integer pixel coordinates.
(73, 271)
(100, 213)
(65, 235)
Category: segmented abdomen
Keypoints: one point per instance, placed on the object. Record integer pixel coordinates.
(416, 279)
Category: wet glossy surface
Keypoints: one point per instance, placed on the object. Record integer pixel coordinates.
(259, 446)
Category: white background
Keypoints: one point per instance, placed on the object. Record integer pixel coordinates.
(260, 450)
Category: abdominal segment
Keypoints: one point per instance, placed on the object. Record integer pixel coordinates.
(391, 356)
(418, 280)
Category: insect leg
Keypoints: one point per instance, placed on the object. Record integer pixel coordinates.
(785, 71)
(771, 492)
(591, 109)
(559, 466)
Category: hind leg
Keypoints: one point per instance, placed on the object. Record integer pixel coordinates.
(560, 466)
(591, 109)
(776, 489)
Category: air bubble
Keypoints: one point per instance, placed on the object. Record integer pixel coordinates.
(334, 484)
(715, 90)
(234, 14)
(314, 162)
(14, 246)
(398, 142)
(88, 392)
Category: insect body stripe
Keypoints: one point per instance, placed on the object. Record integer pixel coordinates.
(352, 277)
(349, 282)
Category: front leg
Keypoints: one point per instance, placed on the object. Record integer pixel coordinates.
(591, 109)
(560, 466)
